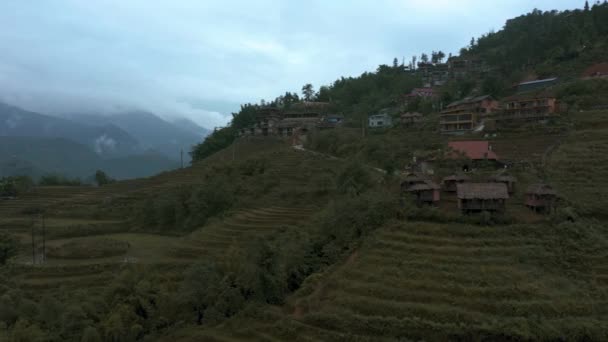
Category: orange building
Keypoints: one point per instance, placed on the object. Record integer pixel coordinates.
(466, 114)
(528, 107)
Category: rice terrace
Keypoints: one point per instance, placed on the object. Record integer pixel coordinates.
(450, 197)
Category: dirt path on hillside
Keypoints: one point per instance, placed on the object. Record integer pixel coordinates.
(302, 149)
(298, 310)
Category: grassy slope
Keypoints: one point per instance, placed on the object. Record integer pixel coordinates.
(78, 217)
(410, 280)
(447, 281)
(579, 166)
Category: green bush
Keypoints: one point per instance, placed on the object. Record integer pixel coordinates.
(58, 180)
(8, 247)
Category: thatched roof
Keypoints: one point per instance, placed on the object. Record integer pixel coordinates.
(457, 178)
(503, 177)
(427, 185)
(541, 189)
(482, 191)
(411, 115)
(412, 177)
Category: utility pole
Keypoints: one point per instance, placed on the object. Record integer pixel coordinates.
(33, 244)
(363, 127)
(234, 149)
(43, 239)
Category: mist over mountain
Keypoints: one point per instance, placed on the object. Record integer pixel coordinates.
(152, 132)
(136, 144)
(106, 140)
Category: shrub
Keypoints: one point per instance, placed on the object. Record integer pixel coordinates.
(8, 247)
(58, 180)
(101, 178)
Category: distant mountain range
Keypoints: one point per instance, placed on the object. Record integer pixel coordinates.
(134, 144)
(152, 132)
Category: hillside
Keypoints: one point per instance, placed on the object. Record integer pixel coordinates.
(260, 239)
(431, 279)
(314, 250)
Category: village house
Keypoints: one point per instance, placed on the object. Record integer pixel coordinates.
(433, 74)
(460, 67)
(467, 114)
(450, 182)
(299, 119)
(596, 71)
(536, 85)
(476, 197)
(527, 107)
(420, 93)
(475, 150)
(411, 178)
(330, 122)
(426, 192)
(505, 179)
(381, 120)
(266, 122)
(410, 118)
(541, 198)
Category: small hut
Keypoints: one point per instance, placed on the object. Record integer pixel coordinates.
(475, 197)
(410, 179)
(541, 197)
(408, 119)
(425, 193)
(450, 182)
(506, 179)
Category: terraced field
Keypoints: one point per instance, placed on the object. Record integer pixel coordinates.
(445, 282)
(72, 226)
(579, 166)
(242, 229)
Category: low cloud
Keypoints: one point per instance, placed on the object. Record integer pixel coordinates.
(200, 59)
(104, 144)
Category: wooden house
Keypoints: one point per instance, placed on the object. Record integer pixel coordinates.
(410, 118)
(532, 106)
(541, 197)
(472, 152)
(506, 179)
(266, 122)
(467, 114)
(410, 179)
(450, 182)
(476, 197)
(426, 192)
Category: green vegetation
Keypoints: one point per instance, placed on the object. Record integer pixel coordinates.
(8, 247)
(259, 241)
(13, 186)
(101, 178)
(57, 180)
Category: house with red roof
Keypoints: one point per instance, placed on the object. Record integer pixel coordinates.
(474, 150)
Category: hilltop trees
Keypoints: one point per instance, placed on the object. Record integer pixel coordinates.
(101, 178)
(308, 91)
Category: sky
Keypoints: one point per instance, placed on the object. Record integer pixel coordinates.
(202, 59)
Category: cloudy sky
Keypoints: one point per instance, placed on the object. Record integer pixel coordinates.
(200, 59)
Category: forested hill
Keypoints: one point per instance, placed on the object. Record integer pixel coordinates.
(548, 43)
(535, 45)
